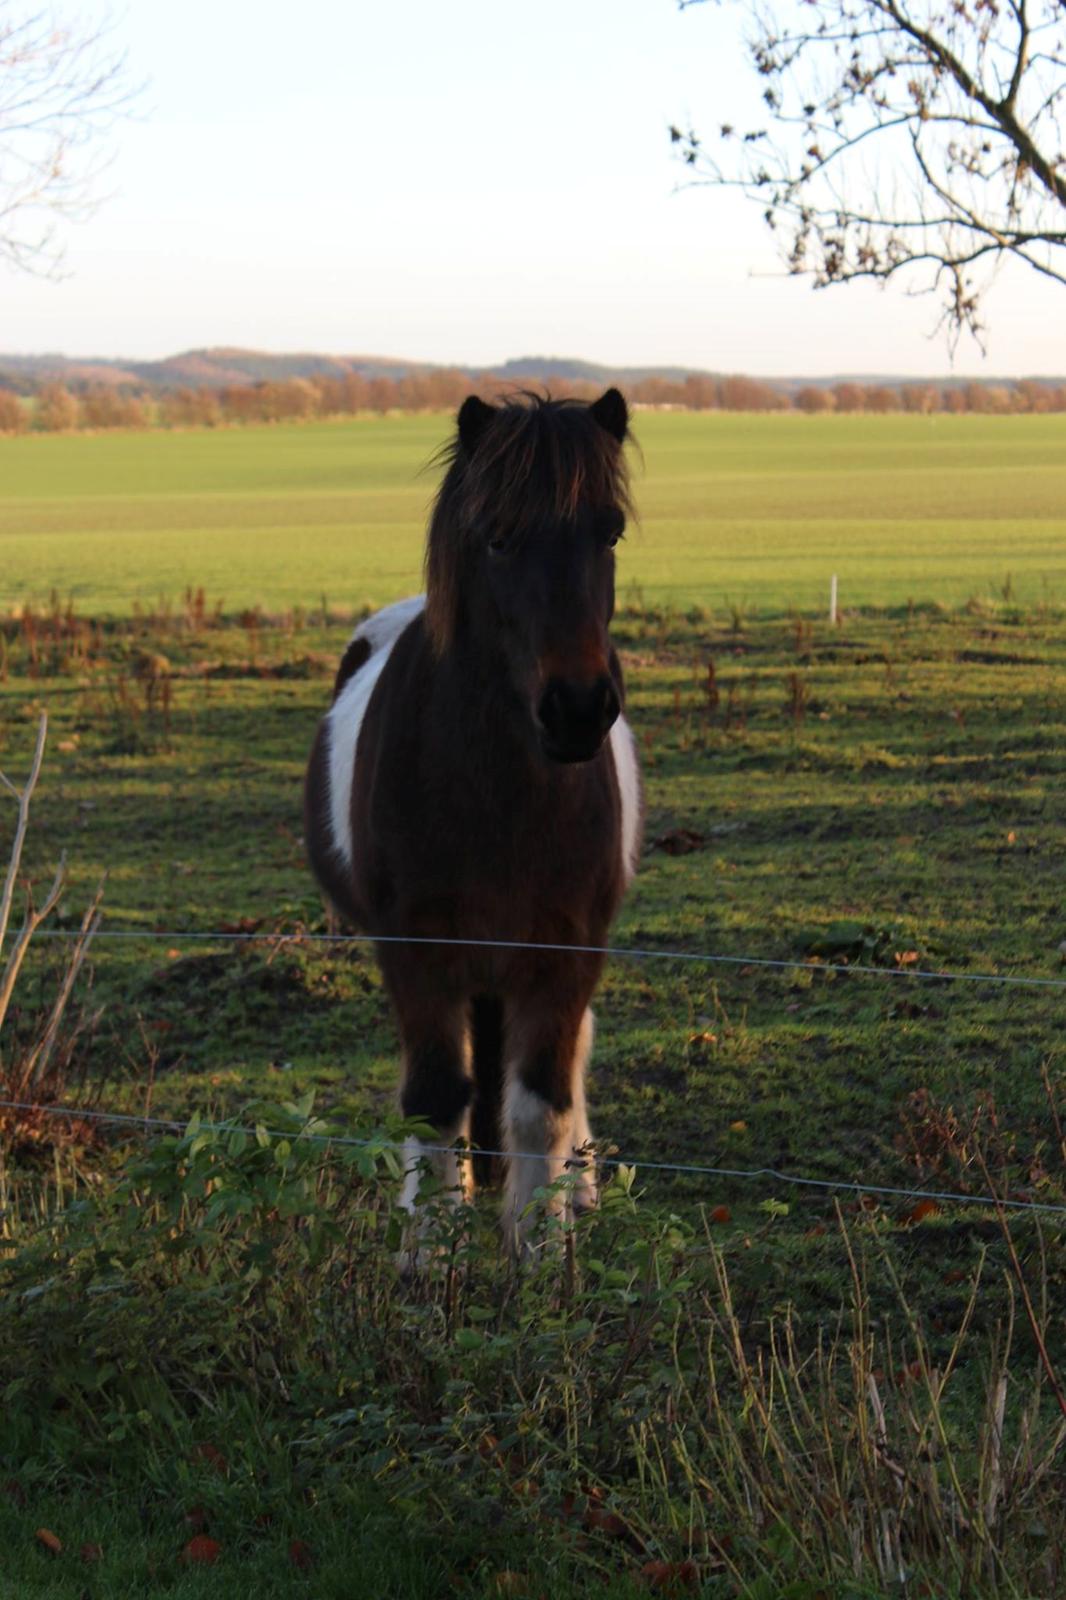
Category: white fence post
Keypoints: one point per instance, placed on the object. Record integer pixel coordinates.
(833, 599)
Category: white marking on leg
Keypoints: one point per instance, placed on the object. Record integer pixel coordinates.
(541, 1139)
(345, 717)
(450, 1172)
(627, 773)
(585, 1192)
(449, 1169)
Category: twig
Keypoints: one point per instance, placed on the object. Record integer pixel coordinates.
(34, 918)
(995, 1484)
(1016, 1268)
(23, 796)
(37, 1063)
(1056, 1119)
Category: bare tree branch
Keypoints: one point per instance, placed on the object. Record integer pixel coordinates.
(63, 88)
(913, 138)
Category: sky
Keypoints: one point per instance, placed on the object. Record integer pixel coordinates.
(460, 183)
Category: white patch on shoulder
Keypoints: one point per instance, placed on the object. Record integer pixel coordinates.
(345, 716)
(624, 751)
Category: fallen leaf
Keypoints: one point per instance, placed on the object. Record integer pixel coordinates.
(301, 1554)
(46, 1537)
(679, 842)
(609, 1523)
(201, 1551)
(924, 1208)
(907, 958)
(738, 1127)
(720, 1214)
(91, 1552)
(212, 1455)
(670, 1577)
(196, 1519)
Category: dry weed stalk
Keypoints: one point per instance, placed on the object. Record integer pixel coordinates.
(846, 1452)
(30, 1071)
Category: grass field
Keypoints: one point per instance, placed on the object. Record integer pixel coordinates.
(205, 1335)
(752, 511)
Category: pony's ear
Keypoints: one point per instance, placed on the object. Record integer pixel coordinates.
(474, 418)
(612, 413)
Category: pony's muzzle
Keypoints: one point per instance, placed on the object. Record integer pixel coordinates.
(574, 718)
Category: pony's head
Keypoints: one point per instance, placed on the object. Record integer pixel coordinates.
(520, 558)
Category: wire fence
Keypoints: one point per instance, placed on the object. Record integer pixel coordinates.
(686, 1169)
(626, 952)
(175, 936)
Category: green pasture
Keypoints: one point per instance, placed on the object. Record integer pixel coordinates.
(888, 792)
(747, 511)
(736, 1386)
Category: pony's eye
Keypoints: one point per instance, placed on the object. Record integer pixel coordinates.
(612, 529)
(497, 546)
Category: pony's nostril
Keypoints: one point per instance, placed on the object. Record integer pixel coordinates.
(551, 711)
(575, 716)
(611, 705)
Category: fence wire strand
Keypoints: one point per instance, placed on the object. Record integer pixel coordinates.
(171, 1125)
(704, 957)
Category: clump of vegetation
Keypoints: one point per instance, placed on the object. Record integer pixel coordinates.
(644, 1405)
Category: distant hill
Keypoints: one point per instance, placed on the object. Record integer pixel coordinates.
(223, 365)
(212, 369)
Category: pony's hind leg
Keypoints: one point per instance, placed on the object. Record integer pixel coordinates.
(545, 1120)
(486, 1024)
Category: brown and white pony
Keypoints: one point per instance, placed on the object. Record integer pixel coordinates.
(475, 780)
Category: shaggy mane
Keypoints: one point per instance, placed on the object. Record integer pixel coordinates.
(538, 461)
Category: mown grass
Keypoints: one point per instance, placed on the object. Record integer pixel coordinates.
(748, 511)
(902, 776)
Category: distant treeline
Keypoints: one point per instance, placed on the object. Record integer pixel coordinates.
(55, 408)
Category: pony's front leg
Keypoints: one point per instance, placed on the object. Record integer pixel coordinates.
(585, 1193)
(545, 1121)
(437, 1089)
